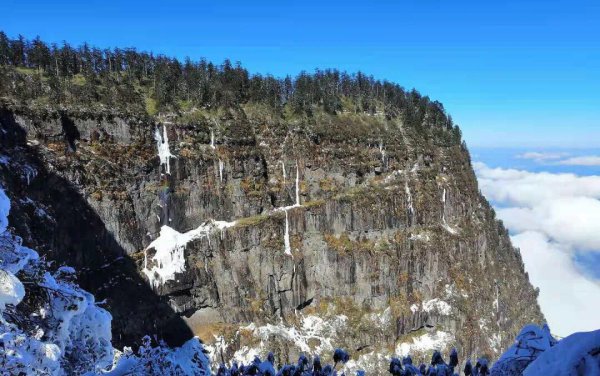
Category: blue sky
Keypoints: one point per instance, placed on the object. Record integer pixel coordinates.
(511, 73)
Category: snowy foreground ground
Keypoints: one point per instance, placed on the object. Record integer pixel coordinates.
(50, 326)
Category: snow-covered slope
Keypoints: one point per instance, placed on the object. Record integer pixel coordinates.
(50, 326)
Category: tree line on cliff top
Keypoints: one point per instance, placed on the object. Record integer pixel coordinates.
(124, 78)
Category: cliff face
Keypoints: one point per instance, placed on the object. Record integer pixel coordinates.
(349, 230)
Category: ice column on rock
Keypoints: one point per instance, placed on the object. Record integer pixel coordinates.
(170, 245)
(286, 236)
(382, 151)
(297, 186)
(4, 210)
(212, 139)
(283, 169)
(411, 209)
(164, 153)
(444, 223)
(221, 165)
(285, 209)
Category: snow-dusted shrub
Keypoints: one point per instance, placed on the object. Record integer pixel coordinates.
(577, 354)
(530, 343)
(158, 359)
(50, 326)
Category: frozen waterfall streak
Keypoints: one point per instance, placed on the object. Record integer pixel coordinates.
(283, 169)
(286, 235)
(297, 185)
(221, 165)
(164, 153)
(212, 146)
(382, 151)
(170, 245)
(411, 210)
(444, 223)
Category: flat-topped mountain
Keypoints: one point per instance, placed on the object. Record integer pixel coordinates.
(296, 215)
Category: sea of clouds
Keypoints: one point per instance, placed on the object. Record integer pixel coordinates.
(554, 218)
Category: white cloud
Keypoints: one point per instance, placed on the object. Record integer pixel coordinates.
(568, 299)
(553, 216)
(588, 160)
(542, 156)
(528, 189)
(569, 220)
(560, 158)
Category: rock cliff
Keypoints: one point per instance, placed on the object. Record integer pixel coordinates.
(259, 232)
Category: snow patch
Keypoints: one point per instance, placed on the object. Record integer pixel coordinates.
(12, 290)
(383, 319)
(424, 237)
(437, 305)
(438, 340)
(311, 329)
(392, 176)
(372, 363)
(170, 245)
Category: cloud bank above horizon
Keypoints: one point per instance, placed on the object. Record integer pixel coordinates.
(561, 158)
(552, 218)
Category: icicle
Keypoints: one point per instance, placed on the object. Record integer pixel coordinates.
(221, 165)
(382, 151)
(164, 153)
(297, 185)
(283, 169)
(212, 139)
(444, 223)
(286, 236)
(444, 207)
(411, 210)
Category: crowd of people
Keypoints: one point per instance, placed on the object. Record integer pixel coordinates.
(404, 367)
